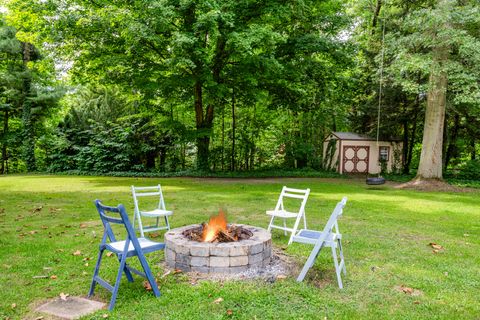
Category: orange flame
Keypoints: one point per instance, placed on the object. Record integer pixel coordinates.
(214, 226)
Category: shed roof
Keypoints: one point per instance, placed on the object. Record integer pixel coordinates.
(359, 136)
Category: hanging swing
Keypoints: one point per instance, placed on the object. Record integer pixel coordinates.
(379, 179)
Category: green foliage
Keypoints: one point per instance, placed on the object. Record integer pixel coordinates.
(469, 171)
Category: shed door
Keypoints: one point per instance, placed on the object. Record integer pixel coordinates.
(355, 159)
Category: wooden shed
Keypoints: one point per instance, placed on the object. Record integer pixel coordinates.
(348, 152)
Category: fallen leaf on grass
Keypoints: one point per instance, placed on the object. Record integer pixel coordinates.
(40, 277)
(86, 264)
(54, 209)
(77, 253)
(229, 312)
(281, 277)
(147, 286)
(409, 291)
(83, 225)
(109, 254)
(44, 227)
(217, 301)
(105, 316)
(14, 305)
(435, 246)
(177, 271)
(86, 258)
(64, 296)
(53, 277)
(33, 232)
(37, 209)
(154, 235)
(39, 318)
(166, 274)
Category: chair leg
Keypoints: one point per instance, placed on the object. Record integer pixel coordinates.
(128, 274)
(148, 273)
(140, 226)
(285, 226)
(270, 224)
(304, 221)
(95, 273)
(310, 261)
(166, 222)
(117, 282)
(337, 269)
(341, 256)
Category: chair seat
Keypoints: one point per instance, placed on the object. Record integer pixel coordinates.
(282, 213)
(156, 213)
(147, 246)
(311, 237)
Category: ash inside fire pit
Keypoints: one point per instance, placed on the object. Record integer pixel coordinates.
(231, 234)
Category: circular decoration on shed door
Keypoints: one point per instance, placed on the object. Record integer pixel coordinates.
(355, 159)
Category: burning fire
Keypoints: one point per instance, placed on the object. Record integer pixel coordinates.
(214, 226)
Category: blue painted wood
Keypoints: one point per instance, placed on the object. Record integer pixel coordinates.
(131, 246)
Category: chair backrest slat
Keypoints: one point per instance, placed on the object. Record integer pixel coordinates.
(145, 188)
(287, 189)
(292, 195)
(106, 220)
(332, 221)
(147, 194)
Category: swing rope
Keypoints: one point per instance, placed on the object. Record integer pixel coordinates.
(379, 180)
(380, 83)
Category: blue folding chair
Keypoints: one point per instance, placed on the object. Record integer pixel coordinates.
(329, 237)
(131, 246)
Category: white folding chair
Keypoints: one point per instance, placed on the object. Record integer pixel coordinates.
(156, 213)
(282, 213)
(329, 237)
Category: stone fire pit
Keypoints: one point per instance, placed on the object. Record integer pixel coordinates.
(225, 257)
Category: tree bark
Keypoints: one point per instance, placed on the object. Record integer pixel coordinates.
(4, 144)
(452, 144)
(27, 121)
(232, 165)
(204, 127)
(430, 166)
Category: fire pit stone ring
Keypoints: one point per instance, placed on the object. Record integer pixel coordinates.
(225, 257)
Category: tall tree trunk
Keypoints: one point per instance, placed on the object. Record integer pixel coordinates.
(232, 165)
(28, 124)
(375, 15)
(430, 166)
(204, 127)
(223, 138)
(413, 134)
(3, 168)
(452, 143)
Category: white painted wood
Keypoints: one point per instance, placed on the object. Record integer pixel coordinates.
(157, 213)
(281, 213)
(329, 237)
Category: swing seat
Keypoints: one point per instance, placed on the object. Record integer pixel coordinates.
(374, 181)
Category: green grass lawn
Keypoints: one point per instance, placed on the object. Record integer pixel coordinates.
(45, 219)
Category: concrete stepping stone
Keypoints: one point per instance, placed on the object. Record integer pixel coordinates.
(71, 307)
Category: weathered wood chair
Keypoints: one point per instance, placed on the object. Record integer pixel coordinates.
(130, 247)
(159, 212)
(329, 237)
(282, 213)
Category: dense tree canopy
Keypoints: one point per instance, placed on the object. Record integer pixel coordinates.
(169, 85)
